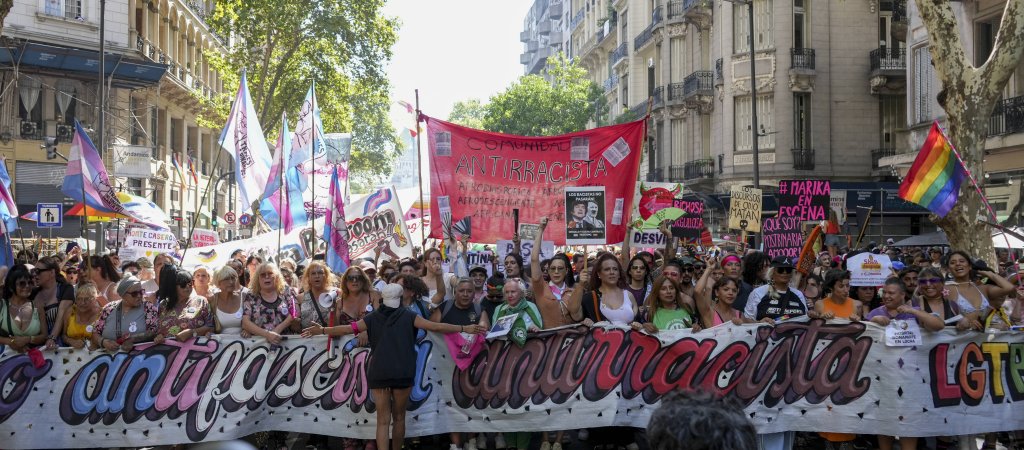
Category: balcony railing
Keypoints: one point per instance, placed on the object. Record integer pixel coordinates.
(675, 91)
(643, 38)
(576, 19)
(639, 110)
(658, 96)
(700, 82)
(699, 169)
(803, 158)
(657, 15)
(675, 9)
(879, 153)
(619, 53)
(610, 83)
(888, 58)
(802, 58)
(1007, 117)
(676, 173)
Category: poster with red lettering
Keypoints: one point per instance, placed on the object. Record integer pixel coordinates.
(486, 175)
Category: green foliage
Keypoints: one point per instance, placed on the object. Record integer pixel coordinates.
(341, 45)
(533, 106)
(468, 113)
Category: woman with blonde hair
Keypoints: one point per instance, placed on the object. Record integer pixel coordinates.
(82, 316)
(319, 293)
(201, 281)
(269, 308)
(227, 302)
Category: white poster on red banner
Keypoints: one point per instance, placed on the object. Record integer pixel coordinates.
(202, 237)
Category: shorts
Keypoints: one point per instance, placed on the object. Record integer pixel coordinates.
(832, 240)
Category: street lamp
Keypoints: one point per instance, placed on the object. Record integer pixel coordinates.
(753, 88)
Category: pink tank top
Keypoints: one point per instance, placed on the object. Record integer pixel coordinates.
(717, 319)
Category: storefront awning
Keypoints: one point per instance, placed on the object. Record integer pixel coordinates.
(124, 71)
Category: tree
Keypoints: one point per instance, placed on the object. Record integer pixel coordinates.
(532, 106)
(342, 45)
(5, 8)
(468, 113)
(968, 95)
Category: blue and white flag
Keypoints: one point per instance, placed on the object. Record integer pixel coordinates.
(335, 228)
(8, 209)
(309, 131)
(244, 140)
(282, 205)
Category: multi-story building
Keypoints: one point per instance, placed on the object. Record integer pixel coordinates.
(544, 34)
(830, 81)
(1003, 171)
(157, 69)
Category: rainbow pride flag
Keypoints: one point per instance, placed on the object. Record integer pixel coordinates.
(934, 180)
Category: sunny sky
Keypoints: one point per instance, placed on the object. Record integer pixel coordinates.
(453, 50)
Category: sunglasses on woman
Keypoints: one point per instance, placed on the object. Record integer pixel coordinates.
(132, 293)
(928, 281)
(784, 270)
(187, 284)
(353, 278)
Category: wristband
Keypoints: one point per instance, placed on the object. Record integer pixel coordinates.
(355, 328)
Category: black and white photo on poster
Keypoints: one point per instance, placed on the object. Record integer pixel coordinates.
(585, 215)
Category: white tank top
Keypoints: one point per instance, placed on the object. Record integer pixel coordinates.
(230, 323)
(624, 314)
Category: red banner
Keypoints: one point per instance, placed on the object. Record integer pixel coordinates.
(486, 175)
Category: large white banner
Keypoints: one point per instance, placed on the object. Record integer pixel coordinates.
(132, 161)
(142, 242)
(804, 376)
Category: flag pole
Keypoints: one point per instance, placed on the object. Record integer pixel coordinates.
(280, 198)
(419, 167)
(202, 202)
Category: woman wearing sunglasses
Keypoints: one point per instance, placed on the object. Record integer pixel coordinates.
(126, 322)
(80, 321)
(931, 296)
(319, 292)
(269, 308)
(55, 294)
(183, 314)
(21, 323)
(552, 297)
(777, 300)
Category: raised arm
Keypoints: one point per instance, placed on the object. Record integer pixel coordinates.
(670, 251)
(442, 287)
(536, 276)
(1002, 288)
(624, 255)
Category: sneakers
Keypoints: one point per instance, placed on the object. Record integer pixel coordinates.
(556, 446)
(454, 447)
(583, 434)
(499, 441)
(471, 445)
(545, 446)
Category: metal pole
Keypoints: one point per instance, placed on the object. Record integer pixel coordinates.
(419, 169)
(753, 95)
(103, 110)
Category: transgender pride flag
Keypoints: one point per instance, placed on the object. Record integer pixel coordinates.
(335, 228)
(282, 205)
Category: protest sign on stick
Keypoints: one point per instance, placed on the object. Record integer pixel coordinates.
(782, 236)
(805, 199)
(745, 209)
(585, 215)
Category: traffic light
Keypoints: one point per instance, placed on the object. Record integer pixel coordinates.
(50, 144)
(214, 222)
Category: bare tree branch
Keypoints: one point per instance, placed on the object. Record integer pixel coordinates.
(1005, 53)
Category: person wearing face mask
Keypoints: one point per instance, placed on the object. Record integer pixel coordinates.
(392, 334)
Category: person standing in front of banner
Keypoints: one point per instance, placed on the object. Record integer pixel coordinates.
(665, 308)
(105, 276)
(433, 276)
(183, 315)
(514, 293)
(82, 316)
(22, 324)
(552, 298)
(392, 332)
(56, 296)
(227, 302)
(972, 298)
(128, 321)
(268, 308)
(836, 303)
(319, 295)
(357, 299)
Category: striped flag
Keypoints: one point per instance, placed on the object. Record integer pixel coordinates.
(177, 168)
(335, 228)
(282, 206)
(192, 170)
(244, 140)
(934, 180)
(8, 209)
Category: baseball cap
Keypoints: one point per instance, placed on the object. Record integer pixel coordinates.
(782, 261)
(367, 266)
(477, 269)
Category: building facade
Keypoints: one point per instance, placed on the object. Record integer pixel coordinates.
(830, 82)
(1003, 169)
(157, 69)
(544, 34)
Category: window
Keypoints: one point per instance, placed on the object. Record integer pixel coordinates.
(925, 84)
(742, 130)
(762, 27)
(30, 107)
(892, 109)
(802, 120)
(799, 24)
(68, 9)
(174, 195)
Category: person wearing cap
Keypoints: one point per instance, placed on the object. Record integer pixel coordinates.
(935, 257)
(392, 334)
(370, 270)
(776, 300)
(479, 276)
(128, 321)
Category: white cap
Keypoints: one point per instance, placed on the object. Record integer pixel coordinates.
(392, 295)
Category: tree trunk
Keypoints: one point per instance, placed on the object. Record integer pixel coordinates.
(968, 95)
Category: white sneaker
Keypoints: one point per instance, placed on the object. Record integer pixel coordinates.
(471, 445)
(499, 441)
(454, 447)
(583, 434)
(556, 446)
(545, 446)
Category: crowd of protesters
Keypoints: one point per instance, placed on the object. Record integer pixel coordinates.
(97, 301)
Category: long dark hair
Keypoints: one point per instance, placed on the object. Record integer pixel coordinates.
(570, 280)
(170, 278)
(647, 269)
(595, 282)
(106, 266)
(753, 264)
(16, 273)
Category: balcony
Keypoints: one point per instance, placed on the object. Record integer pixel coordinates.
(900, 20)
(801, 58)
(879, 153)
(884, 59)
(577, 19)
(524, 36)
(700, 169)
(611, 83)
(1007, 117)
(888, 71)
(698, 12)
(639, 110)
(643, 38)
(675, 10)
(698, 83)
(544, 28)
(524, 58)
(676, 173)
(619, 54)
(555, 10)
(803, 158)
